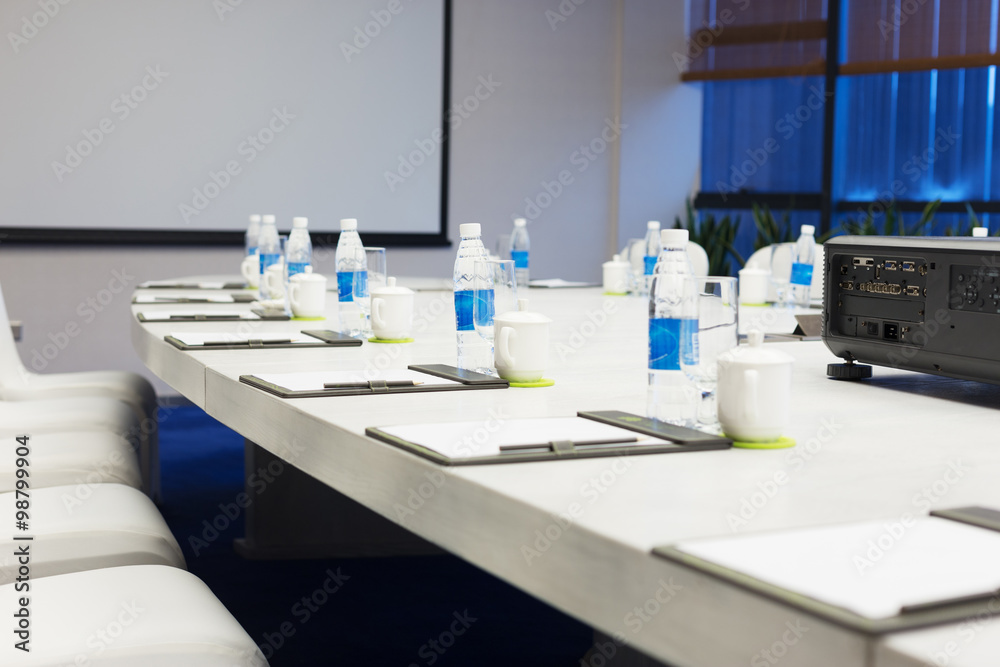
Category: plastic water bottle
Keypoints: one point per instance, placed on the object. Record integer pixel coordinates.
(651, 255)
(673, 306)
(803, 256)
(269, 249)
(519, 247)
(473, 349)
(298, 249)
(252, 236)
(352, 268)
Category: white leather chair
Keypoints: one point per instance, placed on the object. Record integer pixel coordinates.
(761, 259)
(698, 257)
(68, 414)
(87, 527)
(18, 383)
(148, 615)
(58, 459)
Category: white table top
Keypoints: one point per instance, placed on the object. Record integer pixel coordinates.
(869, 450)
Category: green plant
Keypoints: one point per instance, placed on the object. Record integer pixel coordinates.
(771, 230)
(893, 223)
(717, 236)
(962, 229)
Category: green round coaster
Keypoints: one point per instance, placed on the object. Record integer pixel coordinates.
(544, 382)
(615, 293)
(783, 442)
(308, 319)
(755, 305)
(390, 340)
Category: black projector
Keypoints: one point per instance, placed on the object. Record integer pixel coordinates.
(923, 304)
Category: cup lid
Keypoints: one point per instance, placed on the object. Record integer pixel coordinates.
(308, 276)
(391, 288)
(616, 261)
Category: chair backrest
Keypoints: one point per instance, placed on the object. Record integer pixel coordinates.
(698, 257)
(778, 258)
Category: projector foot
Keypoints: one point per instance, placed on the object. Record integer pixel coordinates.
(849, 371)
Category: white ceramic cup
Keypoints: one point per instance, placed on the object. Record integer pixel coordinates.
(617, 276)
(250, 268)
(392, 311)
(274, 281)
(307, 294)
(755, 391)
(521, 345)
(754, 284)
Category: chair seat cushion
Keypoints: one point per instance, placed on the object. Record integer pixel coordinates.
(86, 527)
(148, 615)
(59, 459)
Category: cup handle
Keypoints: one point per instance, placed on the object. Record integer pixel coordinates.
(269, 283)
(750, 395)
(503, 346)
(377, 313)
(245, 270)
(293, 291)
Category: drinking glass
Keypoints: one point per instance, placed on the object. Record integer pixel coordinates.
(781, 272)
(494, 291)
(715, 334)
(633, 253)
(374, 278)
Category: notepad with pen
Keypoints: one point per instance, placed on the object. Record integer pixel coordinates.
(416, 378)
(587, 435)
(207, 285)
(202, 316)
(224, 340)
(175, 298)
(873, 576)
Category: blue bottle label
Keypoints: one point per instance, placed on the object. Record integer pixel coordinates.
(296, 267)
(463, 311)
(665, 336)
(346, 285)
(252, 250)
(483, 307)
(520, 258)
(802, 274)
(267, 260)
(649, 262)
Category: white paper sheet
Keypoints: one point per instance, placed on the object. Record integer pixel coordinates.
(873, 568)
(461, 440)
(314, 380)
(171, 313)
(222, 337)
(162, 298)
(559, 283)
(173, 283)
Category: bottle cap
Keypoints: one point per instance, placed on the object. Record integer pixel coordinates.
(653, 224)
(470, 229)
(520, 222)
(269, 219)
(348, 224)
(808, 229)
(300, 222)
(255, 218)
(674, 238)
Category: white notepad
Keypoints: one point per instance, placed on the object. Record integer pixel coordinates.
(224, 337)
(462, 440)
(559, 283)
(163, 298)
(314, 380)
(175, 314)
(873, 569)
(174, 283)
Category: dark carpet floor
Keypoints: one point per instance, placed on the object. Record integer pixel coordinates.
(429, 610)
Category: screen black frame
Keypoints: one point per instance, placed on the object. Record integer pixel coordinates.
(162, 237)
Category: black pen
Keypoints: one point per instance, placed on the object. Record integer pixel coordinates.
(584, 443)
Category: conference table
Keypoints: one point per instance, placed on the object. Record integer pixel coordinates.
(578, 533)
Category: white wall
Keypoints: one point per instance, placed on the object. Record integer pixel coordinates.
(559, 88)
